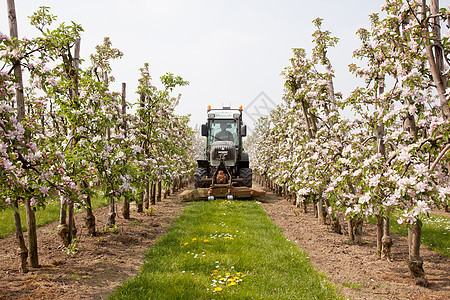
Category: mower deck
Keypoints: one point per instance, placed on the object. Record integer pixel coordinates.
(221, 191)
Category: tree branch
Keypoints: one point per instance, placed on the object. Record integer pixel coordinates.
(368, 139)
(438, 159)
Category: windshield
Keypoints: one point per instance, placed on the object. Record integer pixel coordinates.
(222, 130)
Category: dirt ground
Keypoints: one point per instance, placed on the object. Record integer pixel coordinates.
(103, 262)
(355, 269)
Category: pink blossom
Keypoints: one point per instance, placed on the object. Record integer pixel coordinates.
(33, 201)
(421, 169)
(404, 156)
(52, 81)
(421, 187)
(8, 165)
(44, 189)
(375, 180)
(447, 34)
(422, 207)
(364, 199)
(401, 221)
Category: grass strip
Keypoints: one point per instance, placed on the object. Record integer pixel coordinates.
(43, 216)
(226, 250)
(435, 232)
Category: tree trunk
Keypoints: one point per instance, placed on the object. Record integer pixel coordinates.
(436, 60)
(379, 235)
(305, 206)
(22, 250)
(32, 235)
(164, 192)
(90, 218)
(112, 213)
(74, 95)
(355, 226)
(334, 222)
(20, 102)
(125, 204)
(147, 195)
(71, 221)
(386, 240)
(13, 32)
(351, 235)
(415, 262)
(381, 148)
(168, 190)
(159, 196)
(296, 201)
(153, 193)
(180, 183)
(314, 202)
(174, 186)
(63, 229)
(321, 211)
(357, 230)
(140, 204)
(125, 208)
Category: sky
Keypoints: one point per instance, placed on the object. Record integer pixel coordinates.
(232, 52)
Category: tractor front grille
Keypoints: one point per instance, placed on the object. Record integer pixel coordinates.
(225, 149)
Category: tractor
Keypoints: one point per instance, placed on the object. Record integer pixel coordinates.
(225, 165)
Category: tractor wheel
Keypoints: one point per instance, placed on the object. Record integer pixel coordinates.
(246, 174)
(199, 174)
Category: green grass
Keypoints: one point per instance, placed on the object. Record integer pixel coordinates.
(240, 240)
(435, 232)
(355, 286)
(43, 216)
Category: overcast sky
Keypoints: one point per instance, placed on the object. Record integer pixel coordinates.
(230, 51)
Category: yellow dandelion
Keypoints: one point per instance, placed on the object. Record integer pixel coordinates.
(206, 241)
(218, 289)
(185, 244)
(238, 273)
(194, 239)
(232, 283)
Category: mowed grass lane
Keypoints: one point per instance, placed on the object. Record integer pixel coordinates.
(226, 250)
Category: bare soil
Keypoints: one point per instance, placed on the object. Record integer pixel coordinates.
(104, 261)
(355, 269)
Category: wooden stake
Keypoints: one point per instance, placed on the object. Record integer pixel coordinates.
(20, 101)
(126, 204)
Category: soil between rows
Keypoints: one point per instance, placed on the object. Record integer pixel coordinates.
(102, 264)
(108, 259)
(355, 269)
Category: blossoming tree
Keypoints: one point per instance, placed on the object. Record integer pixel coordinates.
(392, 158)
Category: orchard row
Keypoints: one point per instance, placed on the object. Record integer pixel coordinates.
(65, 134)
(392, 158)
